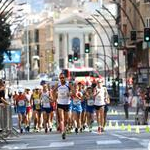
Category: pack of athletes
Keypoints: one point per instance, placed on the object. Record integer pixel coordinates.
(63, 104)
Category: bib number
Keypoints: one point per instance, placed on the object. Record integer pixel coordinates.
(90, 102)
(46, 103)
(36, 101)
(21, 103)
(76, 101)
(63, 95)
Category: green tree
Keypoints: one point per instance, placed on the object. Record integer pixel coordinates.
(5, 35)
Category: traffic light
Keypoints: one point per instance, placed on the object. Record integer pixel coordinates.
(147, 34)
(115, 40)
(87, 47)
(133, 35)
(70, 58)
(75, 56)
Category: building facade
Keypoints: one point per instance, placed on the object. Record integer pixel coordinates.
(136, 19)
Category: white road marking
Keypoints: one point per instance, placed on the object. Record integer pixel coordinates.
(15, 146)
(149, 145)
(145, 143)
(61, 144)
(106, 142)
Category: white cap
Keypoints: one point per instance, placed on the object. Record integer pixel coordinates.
(38, 87)
(20, 90)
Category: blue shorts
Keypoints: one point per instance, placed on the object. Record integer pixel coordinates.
(77, 108)
(83, 105)
(47, 110)
(21, 110)
(71, 105)
(90, 109)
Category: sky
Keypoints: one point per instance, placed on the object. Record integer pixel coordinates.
(37, 5)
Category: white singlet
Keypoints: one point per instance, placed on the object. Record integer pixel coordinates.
(63, 94)
(45, 100)
(100, 97)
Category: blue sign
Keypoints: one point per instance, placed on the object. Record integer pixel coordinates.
(15, 57)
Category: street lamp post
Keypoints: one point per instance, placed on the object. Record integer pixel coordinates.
(27, 50)
(90, 23)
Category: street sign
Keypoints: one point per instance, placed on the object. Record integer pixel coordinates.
(15, 57)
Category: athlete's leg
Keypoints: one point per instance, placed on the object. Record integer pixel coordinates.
(102, 117)
(61, 119)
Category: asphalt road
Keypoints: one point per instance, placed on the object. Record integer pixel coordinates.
(119, 134)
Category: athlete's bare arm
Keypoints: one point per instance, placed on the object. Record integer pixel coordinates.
(4, 101)
(54, 92)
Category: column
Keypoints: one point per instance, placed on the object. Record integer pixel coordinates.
(56, 56)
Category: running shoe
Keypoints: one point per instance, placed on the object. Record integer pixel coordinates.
(76, 130)
(63, 135)
(50, 129)
(46, 130)
(81, 130)
(21, 130)
(99, 130)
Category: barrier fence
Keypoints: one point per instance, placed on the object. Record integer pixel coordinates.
(5, 122)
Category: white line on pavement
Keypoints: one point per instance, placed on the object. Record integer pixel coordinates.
(61, 144)
(15, 146)
(106, 142)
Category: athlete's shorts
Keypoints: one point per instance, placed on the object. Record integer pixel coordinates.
(28, 109)
(90, 109)
(47, 110)
(53, 106)
(71, 105)
(83, 105)
(77, 108)
(36, 109)
(106, 108)
(63, 106)
(21, 110)
(99, 107)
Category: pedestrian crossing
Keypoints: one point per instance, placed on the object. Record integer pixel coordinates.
(105, 143)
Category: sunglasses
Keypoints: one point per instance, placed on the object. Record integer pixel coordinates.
(62, 78)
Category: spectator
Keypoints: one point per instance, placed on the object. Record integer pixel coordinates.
(3, 102)
(147, 104)
(126, 105)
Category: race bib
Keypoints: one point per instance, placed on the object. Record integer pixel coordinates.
(46, 105)
(63, 95)
(37, 106)
(21, 103)
(76, 101)
(36, 101)
(90, 102)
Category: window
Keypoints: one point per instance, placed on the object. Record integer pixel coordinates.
(61, 63)
(36, 32)
(147, 22)
(146, 1)
(48, 31)
(76, 45)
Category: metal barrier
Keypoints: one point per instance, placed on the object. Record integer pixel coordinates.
(5, 122)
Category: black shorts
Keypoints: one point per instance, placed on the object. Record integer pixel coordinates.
(99, 107)
(64, 107)
(147, 109)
